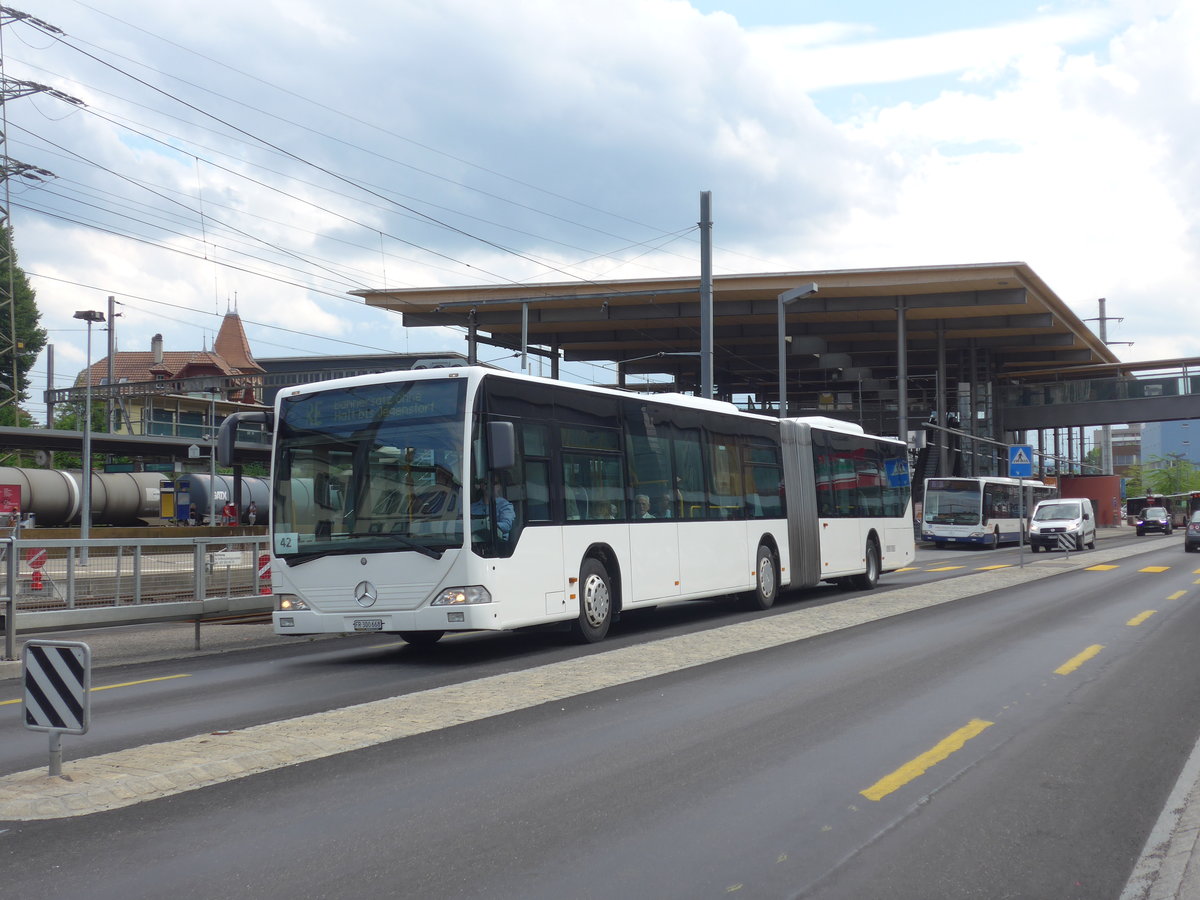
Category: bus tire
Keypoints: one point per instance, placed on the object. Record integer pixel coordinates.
(421, 638)
(994, 543)
(869, 578)
(766, 580)
(595, 603)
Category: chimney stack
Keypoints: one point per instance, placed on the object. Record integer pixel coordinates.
(156, 346)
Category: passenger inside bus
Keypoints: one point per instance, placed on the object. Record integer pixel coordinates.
(642, 503)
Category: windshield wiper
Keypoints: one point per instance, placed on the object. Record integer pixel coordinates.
(401, 540)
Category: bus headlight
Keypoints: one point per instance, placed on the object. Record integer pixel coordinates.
(289, 603)
(463, 596)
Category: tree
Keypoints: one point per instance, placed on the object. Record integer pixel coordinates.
(29, 337)
(1134, 481)
(1171, 474)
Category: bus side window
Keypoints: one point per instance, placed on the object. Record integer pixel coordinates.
(537, 490)
(689, 474)
(725, 490)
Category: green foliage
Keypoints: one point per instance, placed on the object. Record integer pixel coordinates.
(1135, 481)
(30, 337)
(1171, 474)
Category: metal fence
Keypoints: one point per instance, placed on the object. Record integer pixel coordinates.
(73, 583)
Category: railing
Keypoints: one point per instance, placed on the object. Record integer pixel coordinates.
(1099, 389)
(53, 584)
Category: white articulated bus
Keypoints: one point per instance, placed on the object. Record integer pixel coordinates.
(985, 511)
(418, 503)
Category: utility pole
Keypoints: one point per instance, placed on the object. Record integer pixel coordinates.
(1106, 460)
(706, 296)
(12, 89)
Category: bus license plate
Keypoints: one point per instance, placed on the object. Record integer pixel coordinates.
(368, 624)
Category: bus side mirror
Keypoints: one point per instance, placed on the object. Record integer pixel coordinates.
(502, 445)
(227, 433)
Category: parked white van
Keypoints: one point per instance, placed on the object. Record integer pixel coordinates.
(1071, 516)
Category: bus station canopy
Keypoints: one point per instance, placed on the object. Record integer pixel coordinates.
(1001, 317)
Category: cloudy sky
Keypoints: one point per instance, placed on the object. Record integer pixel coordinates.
(276, 155)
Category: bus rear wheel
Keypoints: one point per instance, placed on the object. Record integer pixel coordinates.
(766, 580)
(595, 603)
(869, 578)
(421, 638)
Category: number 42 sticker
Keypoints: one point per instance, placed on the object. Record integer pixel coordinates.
(286, 542)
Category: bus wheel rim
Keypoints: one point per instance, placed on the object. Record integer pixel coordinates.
(595, 601)
(766, 576)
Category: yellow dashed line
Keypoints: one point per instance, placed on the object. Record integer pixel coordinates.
(909, 569)
(1177, 595)
(1001, 566)
(1100, 568)
(1141, 617)
(109, 687)
(927, 760)
(1076, 661)
(1154, 570)
(946, 568)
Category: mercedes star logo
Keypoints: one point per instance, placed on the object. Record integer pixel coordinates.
(365, 594)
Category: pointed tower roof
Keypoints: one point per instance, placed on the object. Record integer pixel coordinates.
(233, 347)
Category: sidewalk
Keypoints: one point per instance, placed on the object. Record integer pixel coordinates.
(124, 644)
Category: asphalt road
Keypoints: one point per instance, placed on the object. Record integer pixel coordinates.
(991, 773)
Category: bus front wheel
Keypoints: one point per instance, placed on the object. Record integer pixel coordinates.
(595, 603)
(766, 580)
(869, 578)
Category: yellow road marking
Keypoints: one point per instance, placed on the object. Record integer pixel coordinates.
(1100, 568)
(109, 687)
(1154, 569)
(1001, 566)
(927, 760)
(1177, 595)
(947, 568)
(1076, 661)
(909, 569)
(1141, 617)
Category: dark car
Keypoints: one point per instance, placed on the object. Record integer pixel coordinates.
(1153, 518)
(1191, 537)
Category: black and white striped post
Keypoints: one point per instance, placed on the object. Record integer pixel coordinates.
(58, 682)
(1066, 543)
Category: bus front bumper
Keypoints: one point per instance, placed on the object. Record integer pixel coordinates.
(462, 618)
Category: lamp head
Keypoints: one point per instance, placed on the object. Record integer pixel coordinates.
(90, 315)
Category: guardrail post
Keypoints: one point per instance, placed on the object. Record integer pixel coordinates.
(10, 604)
(70, 578)
(199, 567)
(117, 584)
(137, 573)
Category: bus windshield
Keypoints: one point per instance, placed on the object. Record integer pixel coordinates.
(370, 468)
(949, 502)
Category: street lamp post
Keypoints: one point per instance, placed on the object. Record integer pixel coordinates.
(85, 514)
(785, 299)
(212, 455)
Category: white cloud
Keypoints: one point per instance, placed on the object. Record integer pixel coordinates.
(568, 131)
